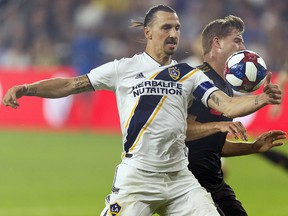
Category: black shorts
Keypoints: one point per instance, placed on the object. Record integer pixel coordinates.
(226, 202)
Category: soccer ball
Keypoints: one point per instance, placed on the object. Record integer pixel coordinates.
(245, 71)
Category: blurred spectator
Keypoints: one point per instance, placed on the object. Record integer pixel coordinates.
(86, 45)
(15, 54)
(43, 51)
(88, 32)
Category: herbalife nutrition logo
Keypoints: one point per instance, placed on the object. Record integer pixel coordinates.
(157, 87)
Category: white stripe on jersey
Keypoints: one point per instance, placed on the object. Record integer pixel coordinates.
(152, 108)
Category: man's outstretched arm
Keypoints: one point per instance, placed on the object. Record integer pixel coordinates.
(49, 88)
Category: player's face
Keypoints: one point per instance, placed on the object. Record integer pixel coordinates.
(163, 33)
(232, 43)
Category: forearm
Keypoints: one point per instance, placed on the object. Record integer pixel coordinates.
(236, 106)
(58, 87)
(245, 105)
(231, 149)
(52, 88)
(196, 130)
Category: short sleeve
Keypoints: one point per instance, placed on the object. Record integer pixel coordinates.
(104, 76)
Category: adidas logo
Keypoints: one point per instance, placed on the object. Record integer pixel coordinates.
(139, 76)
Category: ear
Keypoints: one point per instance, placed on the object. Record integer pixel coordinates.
(147, 33)
(216, 42)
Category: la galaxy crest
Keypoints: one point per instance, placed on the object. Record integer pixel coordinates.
(115, 209)
(174, 73)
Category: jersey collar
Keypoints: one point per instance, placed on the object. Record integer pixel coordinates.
(153, 61)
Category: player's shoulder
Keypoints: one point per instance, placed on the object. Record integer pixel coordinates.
(135, 57)
(204, 67)
(135, 60)
(185, 66)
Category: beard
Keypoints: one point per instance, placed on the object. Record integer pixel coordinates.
(170, 51)
(170, 46)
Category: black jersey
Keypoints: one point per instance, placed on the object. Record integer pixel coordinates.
(205, 154)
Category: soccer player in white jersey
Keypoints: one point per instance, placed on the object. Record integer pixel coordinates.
(153, 93)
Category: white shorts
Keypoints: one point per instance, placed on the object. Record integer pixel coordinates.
(140, 193)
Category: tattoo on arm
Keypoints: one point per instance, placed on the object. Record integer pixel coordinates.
(257, 100)
(31, 91)
(215, 99)
(82, 84)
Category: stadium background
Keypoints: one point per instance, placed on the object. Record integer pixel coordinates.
(57, 157)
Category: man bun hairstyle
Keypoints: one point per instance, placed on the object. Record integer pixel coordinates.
(150, 15)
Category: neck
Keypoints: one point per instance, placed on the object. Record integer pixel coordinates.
(216, 64)
(161, 58)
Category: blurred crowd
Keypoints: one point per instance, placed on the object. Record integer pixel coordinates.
(87, 33)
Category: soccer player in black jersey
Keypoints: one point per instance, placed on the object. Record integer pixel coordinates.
(220, 38)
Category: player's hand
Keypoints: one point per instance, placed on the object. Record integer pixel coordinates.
(235, 129)
(272, 91)
(10, 98)
(268, 140)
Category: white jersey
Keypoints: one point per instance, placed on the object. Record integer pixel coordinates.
(152, 103)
